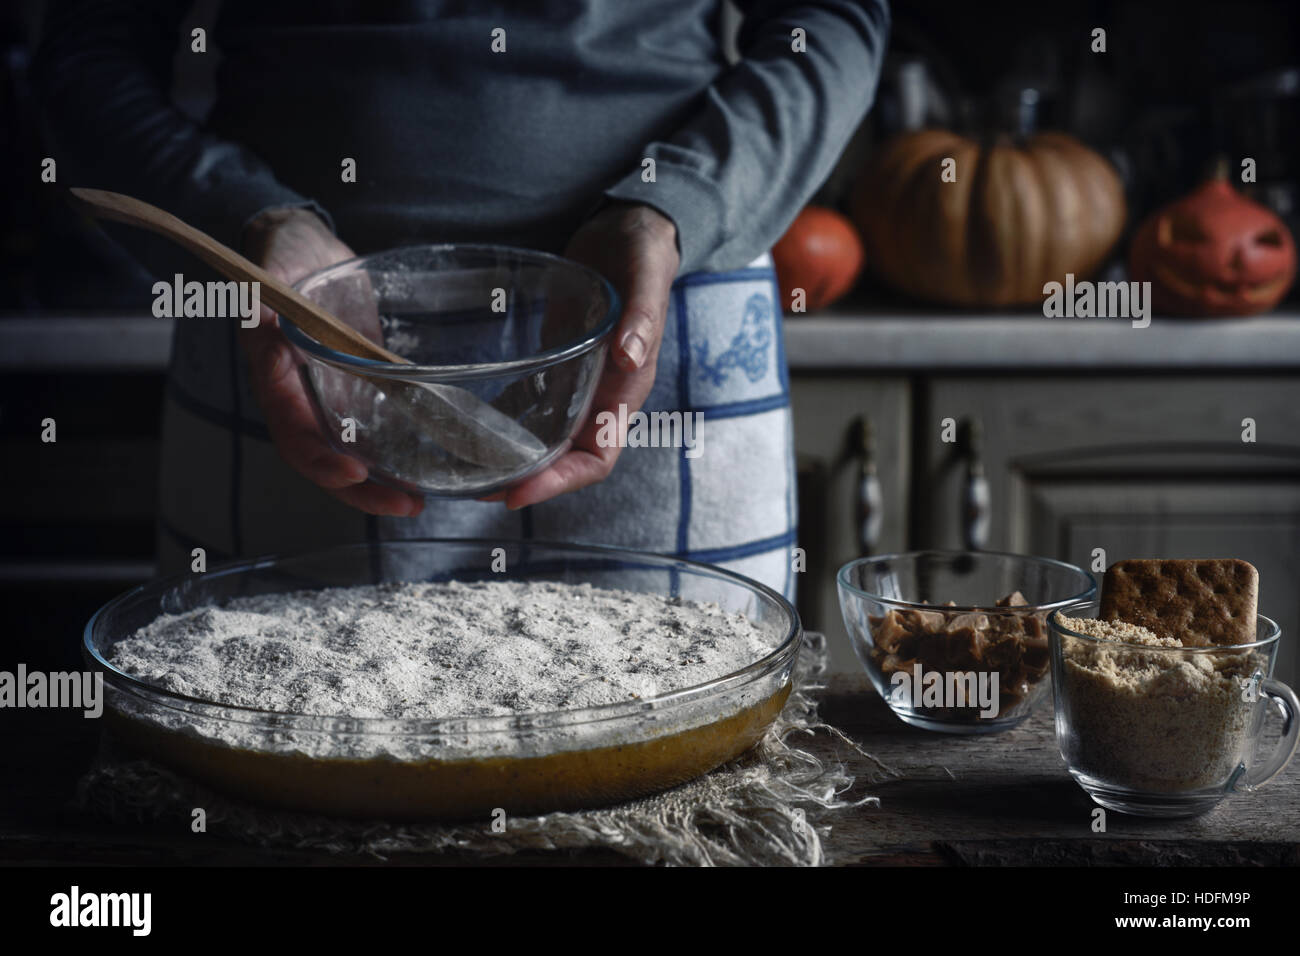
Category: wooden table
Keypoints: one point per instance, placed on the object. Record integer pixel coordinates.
(1007, 799)
(1002, 799)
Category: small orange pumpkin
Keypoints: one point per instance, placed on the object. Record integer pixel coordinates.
(820, 253)
(1214, 253)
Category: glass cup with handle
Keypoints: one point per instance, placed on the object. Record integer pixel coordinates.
(1167, 731)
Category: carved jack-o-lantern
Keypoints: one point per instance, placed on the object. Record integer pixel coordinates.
(1214, 252)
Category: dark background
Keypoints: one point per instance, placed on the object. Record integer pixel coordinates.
(1182, 83)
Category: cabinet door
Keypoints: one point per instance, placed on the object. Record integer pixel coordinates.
(76, 513)
(1256, 520)
(1154, 468)
(825, 408)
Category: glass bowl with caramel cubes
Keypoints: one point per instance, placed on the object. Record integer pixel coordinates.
(956, 641)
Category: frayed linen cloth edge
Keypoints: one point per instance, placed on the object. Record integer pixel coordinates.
(752, 811)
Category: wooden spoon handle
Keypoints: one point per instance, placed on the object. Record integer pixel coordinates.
(310, 317)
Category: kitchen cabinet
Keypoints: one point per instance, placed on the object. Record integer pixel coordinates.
(1089, 434)
(1134, 465)
(827, 413)
(76, 513)
(1139, 467)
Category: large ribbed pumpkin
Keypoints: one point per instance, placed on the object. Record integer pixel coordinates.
(1019, 215)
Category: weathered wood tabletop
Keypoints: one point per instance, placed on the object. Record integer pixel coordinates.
(997, 799)
(1007, 799)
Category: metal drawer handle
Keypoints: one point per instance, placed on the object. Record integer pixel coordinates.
(977, 500)
(869, 511)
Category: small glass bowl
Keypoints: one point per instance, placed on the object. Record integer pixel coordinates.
(966, 668)
(525, 332)
(450, 767)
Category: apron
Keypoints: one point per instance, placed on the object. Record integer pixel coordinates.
(223, 487)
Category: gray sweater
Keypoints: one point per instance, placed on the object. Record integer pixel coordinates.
(454, 141)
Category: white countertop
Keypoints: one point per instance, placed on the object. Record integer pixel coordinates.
(926, 341)
(883, 342)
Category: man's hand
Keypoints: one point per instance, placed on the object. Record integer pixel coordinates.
(289, 244)
(635, 248)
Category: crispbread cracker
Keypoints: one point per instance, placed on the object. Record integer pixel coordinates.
(1201, 602)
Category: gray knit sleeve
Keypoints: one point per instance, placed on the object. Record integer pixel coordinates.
(768, 132)
(103, 73)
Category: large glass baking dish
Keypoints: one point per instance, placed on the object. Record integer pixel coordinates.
(452, 767)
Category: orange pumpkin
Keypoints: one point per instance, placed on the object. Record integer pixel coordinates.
(1017, 216)
(1214, 252)
(821, 254)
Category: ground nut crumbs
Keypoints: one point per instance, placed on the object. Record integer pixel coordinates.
(1153, 720)
(1119, 631)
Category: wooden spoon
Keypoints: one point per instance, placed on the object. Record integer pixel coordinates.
(466, 426)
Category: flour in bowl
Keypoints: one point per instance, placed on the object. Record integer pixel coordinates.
(413, 650)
